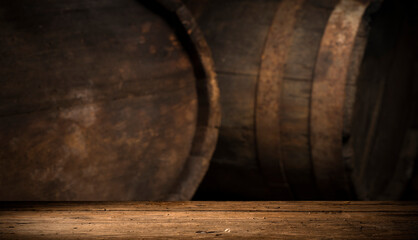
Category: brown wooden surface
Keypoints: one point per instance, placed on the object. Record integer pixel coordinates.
(104, 100)
(300, 115)
(326, 120)
(236, 32)
(225, 220)
(386, 105)
(268, 94)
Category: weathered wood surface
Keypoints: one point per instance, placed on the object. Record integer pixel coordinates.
(104, 100)
(386, 105)
(329, 82)
(303, 114)
(224, 220)
(236, 32)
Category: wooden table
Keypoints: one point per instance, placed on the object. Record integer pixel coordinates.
(185, 220)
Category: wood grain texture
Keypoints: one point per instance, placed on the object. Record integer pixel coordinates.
(236, 31)
(104, 100)
(386, 103)
(328, 94)
(296, 97)
(309, 97)
(269, 86)
(197, 220)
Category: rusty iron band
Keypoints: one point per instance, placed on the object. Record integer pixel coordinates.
(209, 114)
(269, 85)
(328, 93)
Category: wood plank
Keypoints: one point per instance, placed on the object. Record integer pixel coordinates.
(238, 206)
(272, 220)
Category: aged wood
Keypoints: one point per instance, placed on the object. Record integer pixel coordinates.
(267, 112)
(104, 100)
(327, 99)
(387, 92)
(296, 81)
(236, 32)
(230, 220)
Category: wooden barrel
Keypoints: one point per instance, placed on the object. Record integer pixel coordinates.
(310, 92)
(104, 100)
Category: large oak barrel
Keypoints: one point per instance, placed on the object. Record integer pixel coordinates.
(104, 100)
(315, 94)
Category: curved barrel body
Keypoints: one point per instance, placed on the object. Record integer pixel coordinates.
(309, 92)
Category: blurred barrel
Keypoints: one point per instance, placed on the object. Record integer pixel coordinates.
(410, 143)
(314, 97)
(104, 100)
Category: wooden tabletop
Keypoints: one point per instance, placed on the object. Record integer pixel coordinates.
(232, 220)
